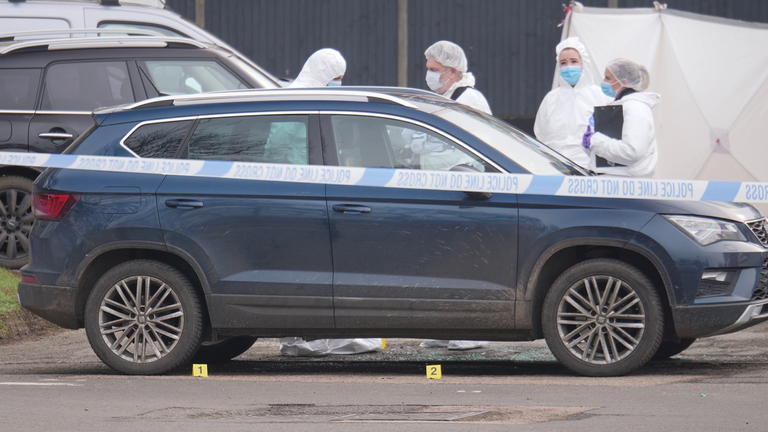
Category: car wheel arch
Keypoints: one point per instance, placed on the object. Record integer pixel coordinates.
(102, 260)
(565, 255)
(21, 171)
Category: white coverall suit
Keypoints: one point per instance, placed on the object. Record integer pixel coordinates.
(319, 70)
(564, 113)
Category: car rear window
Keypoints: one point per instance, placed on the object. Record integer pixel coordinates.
(158, 140)
(18, 88)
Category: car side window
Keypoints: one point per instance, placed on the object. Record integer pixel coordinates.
(18, 88)
(373, 142)
(158, 140)
(86, 86)
(267, 138)
(175, 77)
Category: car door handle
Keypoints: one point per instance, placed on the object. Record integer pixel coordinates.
(351, 208)
(183, 203)
(55, 135)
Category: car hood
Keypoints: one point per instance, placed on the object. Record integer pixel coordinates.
(717, 209)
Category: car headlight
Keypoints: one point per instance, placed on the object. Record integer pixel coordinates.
(707, 231)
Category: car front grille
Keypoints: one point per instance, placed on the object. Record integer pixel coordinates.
(760, 229)
(761, 291)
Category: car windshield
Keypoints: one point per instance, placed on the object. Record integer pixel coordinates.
(530, 154)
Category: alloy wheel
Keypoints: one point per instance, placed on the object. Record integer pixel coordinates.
(16, 221)
(141, 319)
(601, 319)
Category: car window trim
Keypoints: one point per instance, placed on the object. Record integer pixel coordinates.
(328, 141)
(417, 123)
(139, 93)
(314, 141)
(54, 112)
(183, 151)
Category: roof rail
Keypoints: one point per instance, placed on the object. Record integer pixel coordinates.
(102, 42)
(30, 34)
(254, 95)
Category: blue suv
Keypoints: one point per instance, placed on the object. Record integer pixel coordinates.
(163, 269)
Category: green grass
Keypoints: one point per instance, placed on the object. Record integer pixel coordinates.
(8, 303)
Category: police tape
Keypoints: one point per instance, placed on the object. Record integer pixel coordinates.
(598, 186)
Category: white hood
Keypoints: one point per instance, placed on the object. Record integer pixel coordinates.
(587, 76)
(320, 69)
(564, 113)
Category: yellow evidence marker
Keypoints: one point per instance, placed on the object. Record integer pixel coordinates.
(200, 370)
(383, 343)
(434, 372)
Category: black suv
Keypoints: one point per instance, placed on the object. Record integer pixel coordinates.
(48, 89)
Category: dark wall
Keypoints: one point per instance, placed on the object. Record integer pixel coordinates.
(509, 43)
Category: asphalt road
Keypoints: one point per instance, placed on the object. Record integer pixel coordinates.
(57, 383)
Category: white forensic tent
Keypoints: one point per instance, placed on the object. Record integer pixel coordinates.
(712, 74)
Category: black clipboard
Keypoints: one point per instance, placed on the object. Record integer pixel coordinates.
(609, 120)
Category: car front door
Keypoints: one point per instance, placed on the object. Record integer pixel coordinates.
(416, 259)
(263, 246)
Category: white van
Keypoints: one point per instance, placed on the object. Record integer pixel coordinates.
(25, 15)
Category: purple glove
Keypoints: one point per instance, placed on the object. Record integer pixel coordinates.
(586, 140)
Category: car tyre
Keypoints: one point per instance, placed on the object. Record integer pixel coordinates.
(602, 317)
(224, 350)
(16, 220)
(669, 348)
(143, 318)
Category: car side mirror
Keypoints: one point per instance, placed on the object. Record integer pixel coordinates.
(479, 196)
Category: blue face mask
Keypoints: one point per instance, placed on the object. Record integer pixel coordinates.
(607, 89)
(334, 83)
(571, 74)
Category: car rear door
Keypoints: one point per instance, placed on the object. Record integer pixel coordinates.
(71, 91)
(18, 92)
(263, 245)
(416, 259)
